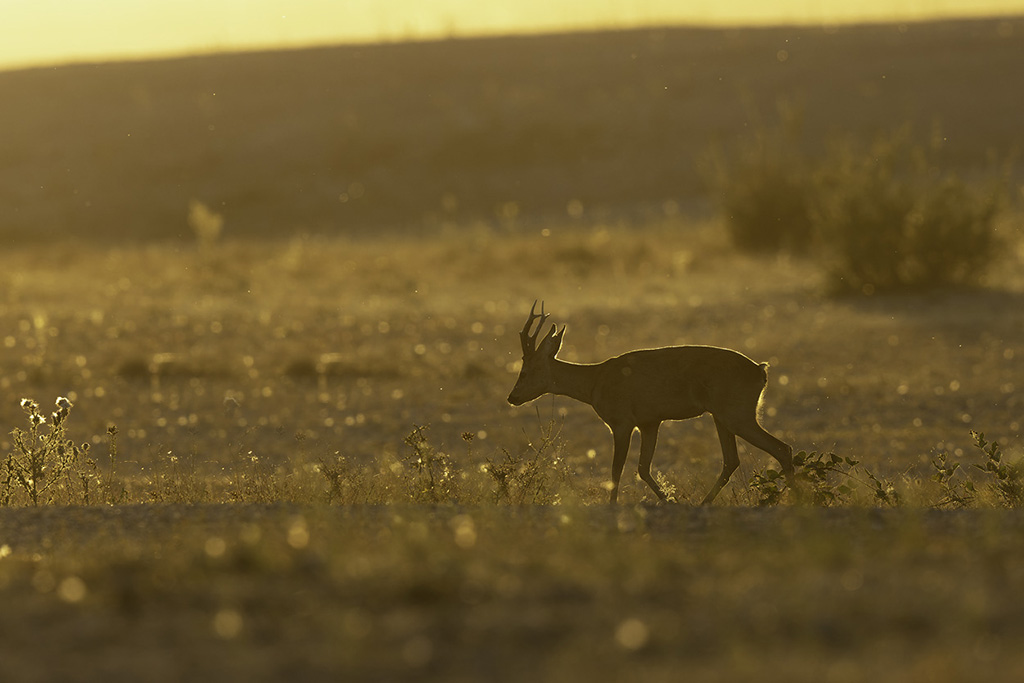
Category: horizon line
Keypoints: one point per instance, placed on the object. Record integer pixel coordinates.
(412, 37)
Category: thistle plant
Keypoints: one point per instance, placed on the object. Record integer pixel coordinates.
(42, 453)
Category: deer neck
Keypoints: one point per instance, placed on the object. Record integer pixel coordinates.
(573, 380)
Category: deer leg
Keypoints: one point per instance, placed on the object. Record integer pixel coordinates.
(755, 435)
(621, 436)
(648, 442)
(730, 460)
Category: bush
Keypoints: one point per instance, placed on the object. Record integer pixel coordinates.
(891, 221)
(764, 193)
(769, 209)
(882, 215)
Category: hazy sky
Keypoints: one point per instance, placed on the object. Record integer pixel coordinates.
(55, 31)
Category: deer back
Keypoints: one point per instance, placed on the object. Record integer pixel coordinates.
(676, 383)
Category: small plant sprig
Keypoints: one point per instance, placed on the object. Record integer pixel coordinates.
(1009, 482)
(769, 486)
(884, 491)
(115, 487)
(955, 494)
(335, 472)
(43, 453)
(436, 479)
(816, 468)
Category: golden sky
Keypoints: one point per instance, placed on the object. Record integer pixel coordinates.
(34, 32)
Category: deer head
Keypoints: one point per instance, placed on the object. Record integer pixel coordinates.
(535, 376)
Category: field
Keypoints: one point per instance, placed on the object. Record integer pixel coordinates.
(295, 423)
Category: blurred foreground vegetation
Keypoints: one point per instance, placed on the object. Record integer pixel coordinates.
(261, 592)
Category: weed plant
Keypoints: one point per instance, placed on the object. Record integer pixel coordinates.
(534, 477)
(434, 476)
(1009, 478)
(347, 483)
(43, 454)
(823, 480)
(955, 492)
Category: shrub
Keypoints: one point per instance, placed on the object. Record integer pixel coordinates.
(891, 221)
(882, 215)
(765, 194)
(769, 209)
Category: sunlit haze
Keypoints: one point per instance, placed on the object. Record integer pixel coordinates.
(37, 32)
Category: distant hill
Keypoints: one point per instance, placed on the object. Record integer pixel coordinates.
(357, 139)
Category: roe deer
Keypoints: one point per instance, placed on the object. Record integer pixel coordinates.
(641, 389)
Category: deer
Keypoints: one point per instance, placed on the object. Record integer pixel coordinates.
(639, 390)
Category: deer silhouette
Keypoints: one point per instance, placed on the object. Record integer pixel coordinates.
(641, 389)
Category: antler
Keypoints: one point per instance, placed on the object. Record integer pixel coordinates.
(529, 341)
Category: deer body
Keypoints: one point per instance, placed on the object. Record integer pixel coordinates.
(641, 389)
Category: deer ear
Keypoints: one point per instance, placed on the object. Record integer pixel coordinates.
(556, 339)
